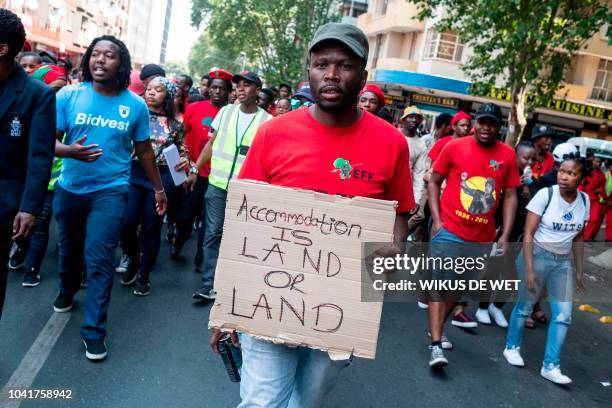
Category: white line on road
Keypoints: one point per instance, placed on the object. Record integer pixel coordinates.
(34, 359)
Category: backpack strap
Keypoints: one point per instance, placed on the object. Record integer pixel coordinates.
(582, 195)
(550, 194)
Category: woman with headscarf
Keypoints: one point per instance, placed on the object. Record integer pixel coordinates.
(166, 130)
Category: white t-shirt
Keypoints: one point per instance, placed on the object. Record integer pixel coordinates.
(244, 120)
(561, 222)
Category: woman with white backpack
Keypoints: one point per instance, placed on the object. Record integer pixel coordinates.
(554, 231)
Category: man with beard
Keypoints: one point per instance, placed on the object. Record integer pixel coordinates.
(92, 190)
(234, 129)
(480, 164)
(339, 135)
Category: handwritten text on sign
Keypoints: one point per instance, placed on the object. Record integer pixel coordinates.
(289, 267)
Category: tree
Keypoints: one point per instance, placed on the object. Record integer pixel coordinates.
(205, 55)
(528, 45)
(173, 68)
(275, 34)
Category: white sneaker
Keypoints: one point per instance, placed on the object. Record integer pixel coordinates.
(554, 374)
(513, 357)
(498, 316)
(446, 344)
(482, 315)
(422, 305)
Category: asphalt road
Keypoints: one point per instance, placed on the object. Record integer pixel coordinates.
(159, 354)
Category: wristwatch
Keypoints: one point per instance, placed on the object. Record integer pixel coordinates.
(193, 170)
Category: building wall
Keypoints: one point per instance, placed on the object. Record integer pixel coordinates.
(145, 32)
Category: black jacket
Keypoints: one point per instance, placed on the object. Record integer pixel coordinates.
(27, 144)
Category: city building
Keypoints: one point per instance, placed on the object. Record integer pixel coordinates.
(417, 65)
(351, 9)
(148, 23)
(66, 27)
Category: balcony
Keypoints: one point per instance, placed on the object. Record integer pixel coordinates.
(573, 92)
(400, 17)
(397, 64)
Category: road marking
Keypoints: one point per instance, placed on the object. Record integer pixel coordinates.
(35, 358)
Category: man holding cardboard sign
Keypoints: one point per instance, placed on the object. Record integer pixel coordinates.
(331, 147)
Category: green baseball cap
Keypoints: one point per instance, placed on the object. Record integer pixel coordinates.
(347, 34)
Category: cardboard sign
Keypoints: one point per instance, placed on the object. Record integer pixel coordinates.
(289, 268)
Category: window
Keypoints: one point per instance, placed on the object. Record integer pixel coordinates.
(602, 89)
(443, 46)
(381, 8)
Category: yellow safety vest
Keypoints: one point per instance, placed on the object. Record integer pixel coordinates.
(229, 149)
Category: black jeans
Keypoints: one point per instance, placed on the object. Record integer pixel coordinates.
(140, 210)
(40, 236)
(192, 207)
(6, 232)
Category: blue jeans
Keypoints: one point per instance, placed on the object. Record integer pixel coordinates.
(215, 200)
(89, 225)
(278, 376)
(40, 237)
(555, 272)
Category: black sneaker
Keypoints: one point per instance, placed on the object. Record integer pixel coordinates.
(205, 294)
(143, 286)
(95, 350)
(63, 303)
(17, 257)
(83, 284)
(129, 276)
(31, 278)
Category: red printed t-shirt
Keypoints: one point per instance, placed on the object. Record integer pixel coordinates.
(197, 120)
(475, 177)
(594, 185)
(367, 159)
(437, 147)
(541, 168)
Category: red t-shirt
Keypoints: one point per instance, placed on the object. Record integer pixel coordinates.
(197, 119)
(540, 169)
(367, 159)
(475, 177)
(437, 147)
(595, 185)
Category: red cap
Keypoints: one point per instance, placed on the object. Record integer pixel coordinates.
(460, 116)
(376, 91)
(136, 84)
(221, 74)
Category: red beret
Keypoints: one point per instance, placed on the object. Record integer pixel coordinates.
(376, 91)
(460, 116)
(221, 74)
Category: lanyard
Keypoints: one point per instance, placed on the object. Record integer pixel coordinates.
(238, 144)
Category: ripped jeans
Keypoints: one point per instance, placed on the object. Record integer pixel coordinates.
(555, 272)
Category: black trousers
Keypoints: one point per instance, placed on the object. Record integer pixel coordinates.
(192, 207)
(6, 232)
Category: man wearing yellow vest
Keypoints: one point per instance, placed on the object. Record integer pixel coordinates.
(233, 129)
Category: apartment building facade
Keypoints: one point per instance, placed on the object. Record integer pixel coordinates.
(67, 27)
(417, 65)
